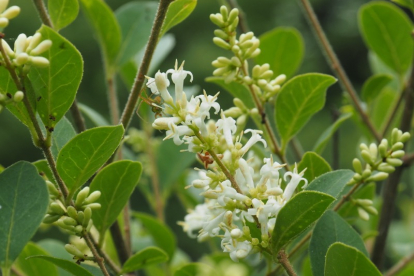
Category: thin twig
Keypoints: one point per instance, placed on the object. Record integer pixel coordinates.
(400, 265)
(98, 259)
(284, 261)
(119, 242)
(394, 111)
(44, 16)
(16, 272)
(77, 117)
(337, 67)
(408, 159)
(113, 101)
(108, 260)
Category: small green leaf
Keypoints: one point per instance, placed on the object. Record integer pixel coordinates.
(315, 166)
(329, 132)
(61, 135)
(177, 12)
(298, 100)
(106, 29)
(82, 156)
(387, 31)
(58, 83)
(344, 260)
(196, 269)
(236, 89)
(63, 12)
(405, 3)
(23, 201)
(146, 257)
(96, 118)
(374, 85)
(34, 267)
(329, 229)
(135, 20)
(66, 265)
(116, 182)
(297, 215)
(162, 235)
(331, 183)
(282, 48)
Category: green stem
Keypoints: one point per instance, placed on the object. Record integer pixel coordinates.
(44, 16)
(284, 261)
(5, 271)
(98, 259)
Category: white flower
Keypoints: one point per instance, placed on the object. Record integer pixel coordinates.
(203, 181)
(162, 82)
(247, 172)
(229, 192)
(270, 176)
(178, 76)
(164, 122)
(238, 250)
(253, 140)
(207, 102)
(228, 127)
(293, 183)
(264, 211)
(195, 219)
(176, 131)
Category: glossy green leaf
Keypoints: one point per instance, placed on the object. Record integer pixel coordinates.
(344, 260)
(135, 20)
(331, 183)
(196, 269)
(146, 257)
(82, 156)
(314, 164)
(58, 83)
(61, 135)
(23, 204)
(329, 132)
(177, 12)
(282, 48)
(162, 235)
(297, 215)
(387, 31)
(63, 12)
(374, 85)
(405, 3)
(96, 118)
(69, 266)
(34, 267)
(329, 229)
(56, 249)
(106, 29)
(116, 182)
(298, 100)
(236, 89)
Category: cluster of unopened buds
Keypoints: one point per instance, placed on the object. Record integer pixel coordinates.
(10, 99)
(7, 13)
(251, 194)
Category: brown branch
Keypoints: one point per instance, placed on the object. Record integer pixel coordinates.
(98, 259)
(400, 265)
(77, 117)
(119, 242)
(107, 259)
(284, 261)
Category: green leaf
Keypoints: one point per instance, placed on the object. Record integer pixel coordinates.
(387, 31)
(382, 106)
(44, 170)
(57, 84)
(329, 132)
(63, 12)
(56, 249)
(236, 89)
(96, 118)
(69, 266)
(405, 3)
(116, 182)
(314, 164)
(331, 183)
(162, 235)
(282, 48)
(344, 260)
(329, 229)
(34, 267)
(196, 269)
(135, 20)
(297, 215)
(177, 12)
(146, 257)
(298, 100)
(61, 135)
(374, 85)
(23, 201)
(82, 156)
(106, 29)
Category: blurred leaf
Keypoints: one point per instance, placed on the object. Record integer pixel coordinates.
(387, 31)
(306, 267)
(106, 29)
(297, 215)
(82, 156)
(135, 20)
(93, 115)
(236, 89)
(382, 106)
(58, 83)
(63, 12)
(344, 260)
(61, 135)
(116, 182)
(282, 48)
(69, 266)
(196, 269)
(177, 12)
(162, 235)
(146, 257)
(405, 3)
(298, 100)
(329, 229)
(329, 132)
(44, 170)
(315, 166)
(34, 267)
(331, 183)
(57, 249)
(23, 204)
(374, 85)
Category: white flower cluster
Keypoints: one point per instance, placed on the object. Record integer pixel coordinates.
(7, 14)
(238, 190)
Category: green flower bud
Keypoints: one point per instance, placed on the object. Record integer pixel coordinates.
(72, 212)
(255, 241)
(385, 167)
(256, 72)
(246, 45)
(363, 146)
(398, 154)
(234, 24)
(254, 54)
(364, 202)
(235, 49)
(356, 163)
(221, 43)
(382, 148)
(52, 189)
(366, 156)
(233, 112)
(221, 34)
(78, 229)
(217, 19)
(234, 13)
(94, 196)
(18, 96)
(88, 215)
(397, 146)
(93, 206)
(373, 150)
(405, 137)
(220, 71)
(371, 210)
(224, 13)
(88, 228)
(70, 221)
(81, 217)
(56, 208)
(81, 196)
(245, 37)
(366, 173)
(267, 74)
(73, 250)
(378, 177)
(41, 48)
(363, 214)
(51, 218)
(357, 177)
(235, 61)
(394, 162)
(394, 136)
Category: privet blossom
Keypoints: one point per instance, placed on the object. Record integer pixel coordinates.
(239, 189)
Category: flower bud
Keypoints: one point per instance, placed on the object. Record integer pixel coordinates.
(394, 162)
(80, 217)
(364, 202)
(93, 206)
(255, 241)
(235, 49)
(397, 146)
(373, 150)
(224, 13)
(234, 24)
(70, 221)
(366, 173)
(385, 167)
(378, 177)
(78, 229)
(41, 48)
(233, 112)
(371, 210)
(11, 12)
(21, 59)
(394, 136)
(382, 148)
(236, 233)
(398, 154)
(405, 137)
(51, 218)
(81, 196)
(280, 79)
(363, 146)
(217, 19)
(234, 13)
(73, 250)
(356, 163)
(18, 96)
(366, 156)
(94, 196)
(267, 74)
(3, 22)
(235, 61)
(87, 216)
(20, 44)
(6, 46)
(56, 208)
(88, 228)
(52, 189)
(34, 41)
(40, 62)
(221, 34)
(363, 214)
(71, 211)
